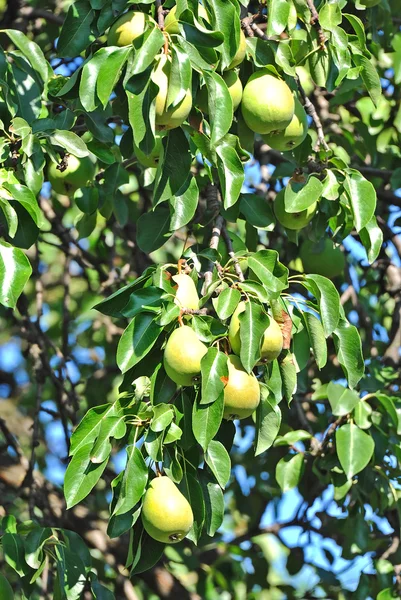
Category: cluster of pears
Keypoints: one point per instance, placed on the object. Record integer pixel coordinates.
(184, 351)
(166, 514)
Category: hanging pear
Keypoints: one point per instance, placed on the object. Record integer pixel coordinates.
(182, 356)
(166, 514)
(242, 393)
(187, 294)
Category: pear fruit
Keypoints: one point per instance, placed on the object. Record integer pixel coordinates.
(166, 514)
(293, 135)
(152, 159)
(235, 89)
(187, 294)
(6, 591)
(294, 221)
(77, 174)
(305, 79)
(272, 343)
(128, 27)
(171, 21)
(267, 103)
(182, 356)
(242, 392)
(173, 116)
(240, 54)
(322, 258)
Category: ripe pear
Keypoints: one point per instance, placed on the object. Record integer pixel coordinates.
(77, 174)
(235, 89)
(272, 343)
(322, 258)
(240, 54)
(174, 116)
(166, 514)
(152, 159)
(182, 356)
(293, 135)
(267, 103)
(187, 294)
(128, 27)
(242, 392)
(171, 21)
(294, 221)
(6, 591)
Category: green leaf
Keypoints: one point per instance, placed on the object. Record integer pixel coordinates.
(279, 11)
(328, 299)
(137, 340)
(184, 204)
(214, 505)
(268, 421)
(231, 173)
(14, 552)
(257, 211)
(81, 476)
(172, 172)
(214, 371)
(218, 460)
(133, 483)
(370, 77)
(24, 196)
(289, 471)
(163, 415)
(70, 141)
(292, 437)
(220, 106)
(349, 351)
(112, 427)
(96, 424)
(354, 449)
(89, 78)
(288, 374)
(226, 303)
(15, 270)
(266, 266)
(299, 196)
(227, 21)
(253, 324)
(180, 79)
(317, 338)
(162, 388)
(144, 56)
(342, 400)
(372, 238)
(110, 72)
(34, 543)
(362, 196)
(141, 111)
(75, 34)
(206, 420)
(32, 52)
(153, 228)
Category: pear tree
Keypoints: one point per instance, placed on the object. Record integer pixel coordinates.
(200, 299)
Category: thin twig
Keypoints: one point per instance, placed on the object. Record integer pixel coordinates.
(315, 22)
(311, 110)
(231, 253)
(160, 14)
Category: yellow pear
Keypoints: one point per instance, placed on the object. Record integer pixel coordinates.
(77, 174)
(267, 103)
(182, 356)
(166, 514)
(128, 27)
(240, 54)
(293, 135)
(186, 295)
(242, 392)
(294, 221)
(272, 343)
(6, 591)
(173, 116)
(171, 21)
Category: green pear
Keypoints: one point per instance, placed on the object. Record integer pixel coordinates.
(242, 392)
(272, 343)
(305, 79)
(182, 356)
(267, 103)
(6, 591)
(166, 514)
(152, 159)
(128, 27)
(234, 87)
(78, 173)
(171, 21)
(293, 135)
(187, 294)
(322, 258)
(294, 221)
(240, 54)
(173, 116)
